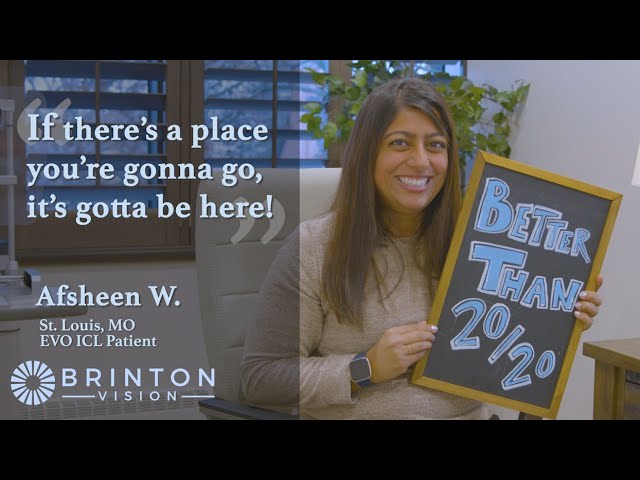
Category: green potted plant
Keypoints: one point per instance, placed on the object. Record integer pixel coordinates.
(482, 113)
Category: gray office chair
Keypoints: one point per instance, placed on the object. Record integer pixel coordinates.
(232, 260)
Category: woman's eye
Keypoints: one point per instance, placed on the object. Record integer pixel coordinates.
(438, 145)
(399, 142)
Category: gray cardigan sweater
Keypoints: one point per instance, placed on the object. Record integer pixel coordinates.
(296, 352)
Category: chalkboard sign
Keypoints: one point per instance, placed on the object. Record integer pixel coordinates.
(526, 244)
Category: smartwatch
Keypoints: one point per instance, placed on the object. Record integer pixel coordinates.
(360, 369)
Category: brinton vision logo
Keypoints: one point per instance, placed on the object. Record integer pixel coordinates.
(33, 382)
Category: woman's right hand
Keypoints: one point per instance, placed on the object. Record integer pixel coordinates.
(398, 349)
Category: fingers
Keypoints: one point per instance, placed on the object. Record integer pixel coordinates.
(398, 348)
(414, 358)
(588, 306)
(416, 336)
(599, 282)
(585, 320)
(415, 352)
(418, 348)
(593, 297)
(413, 327)
(591, 309)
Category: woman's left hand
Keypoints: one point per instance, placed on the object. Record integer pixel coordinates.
(588, 306)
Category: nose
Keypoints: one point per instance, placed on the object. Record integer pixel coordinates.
(419, 157)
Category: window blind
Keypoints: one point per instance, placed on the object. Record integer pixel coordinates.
(101, 92)
(265, 92)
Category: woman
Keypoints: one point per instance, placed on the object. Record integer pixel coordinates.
(361, 278)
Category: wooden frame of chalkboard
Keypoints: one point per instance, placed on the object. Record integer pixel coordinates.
(510, 283)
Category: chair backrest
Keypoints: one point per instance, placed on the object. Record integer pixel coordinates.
(234, 256)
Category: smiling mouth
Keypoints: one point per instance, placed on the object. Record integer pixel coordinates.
(414, 181)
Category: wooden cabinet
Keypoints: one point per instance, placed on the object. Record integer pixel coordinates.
(616, 392)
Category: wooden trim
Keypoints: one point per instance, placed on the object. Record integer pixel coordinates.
(4, 73)
(5, 84)
(65, 234)
(196, 116)
(482, 159)
(631, 401)
(98, 145)
(608, 393)
(107, 255)
(482, 396)
(613, 395)
(185, 147)
(341, 69)
(623, 353)
(274, 114)
(174, 149)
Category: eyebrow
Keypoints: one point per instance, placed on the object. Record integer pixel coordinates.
(409, 134)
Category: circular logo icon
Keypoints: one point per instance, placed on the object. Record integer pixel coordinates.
(33, 382)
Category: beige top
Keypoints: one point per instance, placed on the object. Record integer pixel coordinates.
(326, 347)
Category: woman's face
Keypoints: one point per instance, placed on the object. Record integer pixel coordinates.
(412, 164)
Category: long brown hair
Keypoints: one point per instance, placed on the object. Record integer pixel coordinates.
(359, 226)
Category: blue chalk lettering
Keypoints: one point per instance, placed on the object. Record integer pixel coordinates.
(496, 321)
(494, 213)
(546, 364)
(513, 378)
(462, 341)
(581, 236)
(506, 344)
(521, 222)
(512, 283)
(564, 298)
(541, 215)
(554, 228)
(537, 292)
(564, 241)
(495, 258)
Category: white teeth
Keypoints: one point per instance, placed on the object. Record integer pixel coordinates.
(414, 182)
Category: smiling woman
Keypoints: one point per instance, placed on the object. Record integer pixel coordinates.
(365, 272)
(410, 169)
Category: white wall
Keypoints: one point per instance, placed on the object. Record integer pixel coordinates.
(582, 120)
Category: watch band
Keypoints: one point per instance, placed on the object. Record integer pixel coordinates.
(366, 382)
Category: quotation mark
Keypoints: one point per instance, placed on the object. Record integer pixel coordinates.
(275, 223)
(57, 132)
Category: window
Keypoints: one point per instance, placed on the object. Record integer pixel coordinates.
(452, 67)
(182, 92)
(264, 92)
(102, 92)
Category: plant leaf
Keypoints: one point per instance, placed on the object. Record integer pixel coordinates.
(312, 107)
(352, 93)
(355, 108)
(360, 79)
(319, 77)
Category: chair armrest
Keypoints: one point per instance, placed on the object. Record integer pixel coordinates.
(216, 408)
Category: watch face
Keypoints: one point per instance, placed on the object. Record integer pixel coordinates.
(360, 369)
